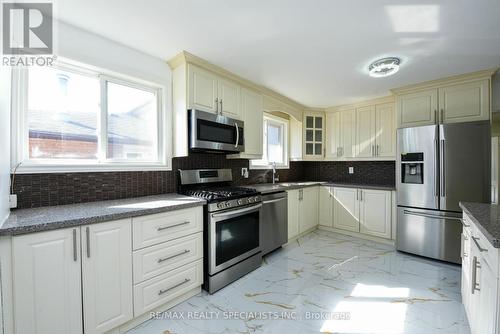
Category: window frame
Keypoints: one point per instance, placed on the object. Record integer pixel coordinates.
(20, 131)
(255, 164)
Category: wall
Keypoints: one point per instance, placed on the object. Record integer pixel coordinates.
(35, 190)
(4, 142)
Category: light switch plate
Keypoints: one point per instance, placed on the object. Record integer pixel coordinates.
(351, 170)
(13, 201)
(244, 172)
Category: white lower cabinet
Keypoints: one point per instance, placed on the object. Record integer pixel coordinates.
(107, 275)
(480, 280)
(46, 271)
(302, 210)
(81, 280)
(367, 211)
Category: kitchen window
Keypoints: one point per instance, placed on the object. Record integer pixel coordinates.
(275, 143)
(73, 118)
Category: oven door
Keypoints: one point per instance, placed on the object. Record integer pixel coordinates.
(213, 132)
(233, 236)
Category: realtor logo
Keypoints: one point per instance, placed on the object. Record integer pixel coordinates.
(27, 28)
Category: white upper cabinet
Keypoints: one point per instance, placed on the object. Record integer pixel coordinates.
(418, 108)
(465, 102)
(375, 213)
(212, 93)
(202, 90)
(107, 275)
(251, 107)
(464, 98)
(332, 143)
(313, 135)
(347, 133)
(385, 131)
(229, 98)
(365, 134)
(47, 277)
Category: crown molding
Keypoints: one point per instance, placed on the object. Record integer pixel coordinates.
(461, 78)
(187, 58)
(365, 103)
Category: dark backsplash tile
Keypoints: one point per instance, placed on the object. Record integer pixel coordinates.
(36, 190)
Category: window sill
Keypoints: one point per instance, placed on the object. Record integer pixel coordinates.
(88, 168)
(268, 167)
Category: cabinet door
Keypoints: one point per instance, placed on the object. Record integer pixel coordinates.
(325, 206)
(47, 277)
(365, 134)
(202, 90)
(332, 143)
(309, 209)
(375, 212)
(313, 135)
(465, 102)
(346, 209)
(385, 138)
(229, 98)
(293, 213)
(487, 316)
(107, 275)
(416, 109)
(347, 133)
(252, 111)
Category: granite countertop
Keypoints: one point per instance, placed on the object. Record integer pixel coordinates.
(361, 185)
(487, 219)
(54, 217)
(266, 188)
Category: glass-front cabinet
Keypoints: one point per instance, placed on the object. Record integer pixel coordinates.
(314, 134)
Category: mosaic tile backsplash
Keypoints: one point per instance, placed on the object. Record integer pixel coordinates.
(36, 190)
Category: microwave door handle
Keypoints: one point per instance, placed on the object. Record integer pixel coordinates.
(237, 135)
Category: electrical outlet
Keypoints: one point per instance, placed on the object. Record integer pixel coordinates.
(351, 170)
(13, 201)
(244, 172)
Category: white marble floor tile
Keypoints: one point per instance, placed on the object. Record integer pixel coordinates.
(330, 283)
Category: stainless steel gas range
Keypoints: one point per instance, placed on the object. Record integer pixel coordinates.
(232, 224)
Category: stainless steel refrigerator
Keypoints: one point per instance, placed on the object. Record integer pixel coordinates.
(437, 167)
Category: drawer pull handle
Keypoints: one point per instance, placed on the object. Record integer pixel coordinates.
(163, 228)
(463, 223)
(161, 292)
(173, 256)
(475, 239)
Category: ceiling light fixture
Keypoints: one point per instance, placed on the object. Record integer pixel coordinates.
(384, 67)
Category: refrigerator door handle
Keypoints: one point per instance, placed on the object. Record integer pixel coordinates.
(442, 169)
(436, 170)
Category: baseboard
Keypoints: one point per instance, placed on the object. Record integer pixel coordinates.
(146, 316)
(358, 235)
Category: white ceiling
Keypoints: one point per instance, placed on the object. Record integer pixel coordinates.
(315, 52)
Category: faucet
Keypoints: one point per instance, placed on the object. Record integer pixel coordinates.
(276, 177)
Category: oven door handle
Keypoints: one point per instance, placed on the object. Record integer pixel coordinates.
(235, 213)
(237, 135)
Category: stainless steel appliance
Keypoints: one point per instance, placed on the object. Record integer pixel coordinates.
(232, 225)
(215, 133)
(274, 221)
(437, 167)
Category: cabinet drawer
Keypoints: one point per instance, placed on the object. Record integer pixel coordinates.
(162, 289)
(155, 260)
(154, 229)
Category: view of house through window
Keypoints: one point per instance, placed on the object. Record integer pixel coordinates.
(275, 141)
(72, 115)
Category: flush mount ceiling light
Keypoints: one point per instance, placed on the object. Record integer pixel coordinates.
(384, 67)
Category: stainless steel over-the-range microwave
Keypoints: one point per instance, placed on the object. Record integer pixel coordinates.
(215, 132)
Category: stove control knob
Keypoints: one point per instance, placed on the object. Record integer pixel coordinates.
(220, 205)
(240, 202)
(256, 199)
(228, 204)
(250, 200)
